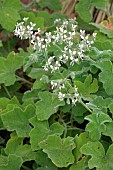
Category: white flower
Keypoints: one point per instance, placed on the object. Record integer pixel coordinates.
(53, 84)
(61, 96)
(25, 19)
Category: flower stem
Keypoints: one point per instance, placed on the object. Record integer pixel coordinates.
(22, 79)
(65, 128)
(5, 88)
(83, 104)
(26, 168)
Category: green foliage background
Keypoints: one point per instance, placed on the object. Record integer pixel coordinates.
(37, 131)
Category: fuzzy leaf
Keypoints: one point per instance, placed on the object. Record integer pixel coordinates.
(101, 4)
(97, 124)
(80, 141)
(78, 112)
(10, 162)
(18, 120)
(43, 161)
(8, 68)
(109, 128)
(15, 146)
(53, 5)
(39, 21)
(104, 30)
(9, 14)
(99, 159)
(41, 78)
(99, 104)
(111, 107)
(106, 76)
(41, 131)
(83, 10)
(59, 150)
(82, 164)
(87, 88)
(47, 106)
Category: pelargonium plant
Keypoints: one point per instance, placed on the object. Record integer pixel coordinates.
(70, 47)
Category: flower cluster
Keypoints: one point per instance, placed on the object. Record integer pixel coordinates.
(24, 31)
(70, 46)
(74, 43)
(61, 88)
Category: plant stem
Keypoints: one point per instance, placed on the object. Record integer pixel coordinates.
(26, 168)
(22, 79)
(3, 129)
(83, 104)
(75, 128)
(5, 88)
(65, 128)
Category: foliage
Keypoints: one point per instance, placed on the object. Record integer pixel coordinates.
(56, 94)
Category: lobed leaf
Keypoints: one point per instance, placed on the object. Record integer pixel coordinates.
(18, 120)
(47, 106)
(87, 88)
(106, 75)
(9, 14)
(53, 5)
(11, 162)
(97, 124)
(99, 159)
(8, 68)
(42, 130)
(15, 146)
(59, 150)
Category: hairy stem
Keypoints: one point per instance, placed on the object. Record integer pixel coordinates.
(8, 94)
(83, 104)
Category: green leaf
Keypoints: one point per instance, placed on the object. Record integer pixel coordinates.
(99, 159)
(103, 44)
(33, 94)
(82, 8)
(47, 106)
(3, 103)
(47, 17)
(59, 150)
(106, 75)
(18, 120)
(53, 5)
(41, 78)
(104, 30)
(9, 14)
(43, 161)
(80, 140)
(38, 133)
(99, 104)
(82, 164)
(109, 128)
(111, 107)
(87, 88)
(8, 68)
(78, 112)
(39, 21)
(41, 131)
(15, 146)
(97, 125)
(10, 162)
(101, 4)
